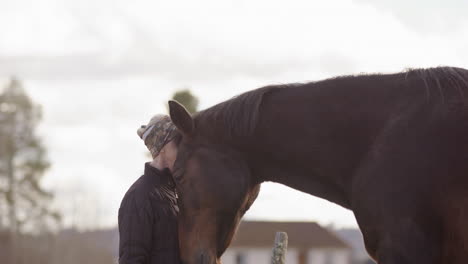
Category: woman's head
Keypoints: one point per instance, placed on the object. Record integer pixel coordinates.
(157, 133)
(158, 137)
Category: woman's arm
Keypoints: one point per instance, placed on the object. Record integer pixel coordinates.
(135, 229)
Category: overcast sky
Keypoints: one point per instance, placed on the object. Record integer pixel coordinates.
(100, 68)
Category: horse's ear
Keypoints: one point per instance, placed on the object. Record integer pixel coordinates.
(181, 118)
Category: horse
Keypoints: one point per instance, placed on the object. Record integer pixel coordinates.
(393, 148)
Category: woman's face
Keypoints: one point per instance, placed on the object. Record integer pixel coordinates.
(169, 154)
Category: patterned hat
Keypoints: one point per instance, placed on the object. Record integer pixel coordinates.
(159, 131)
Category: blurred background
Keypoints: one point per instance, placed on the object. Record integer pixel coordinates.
(77, 78)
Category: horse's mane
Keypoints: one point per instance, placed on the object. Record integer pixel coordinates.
(239, 115)
(441, 78)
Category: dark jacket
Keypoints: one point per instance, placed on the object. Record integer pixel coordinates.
(148, 220)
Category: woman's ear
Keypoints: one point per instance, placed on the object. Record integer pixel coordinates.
(181, 118)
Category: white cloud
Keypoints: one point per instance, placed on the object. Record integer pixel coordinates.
(215, 40)
(428, 16)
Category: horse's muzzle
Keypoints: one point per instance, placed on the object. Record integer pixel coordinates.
(203, 258)
(207, 259)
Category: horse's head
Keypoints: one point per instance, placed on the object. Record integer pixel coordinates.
(215, 189)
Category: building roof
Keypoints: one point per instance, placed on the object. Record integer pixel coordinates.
(300, 235)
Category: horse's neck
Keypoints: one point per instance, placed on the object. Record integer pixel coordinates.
(313, 141)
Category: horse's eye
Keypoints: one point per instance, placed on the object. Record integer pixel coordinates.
(178, 173)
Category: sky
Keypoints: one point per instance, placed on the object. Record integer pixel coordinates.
(102, 68)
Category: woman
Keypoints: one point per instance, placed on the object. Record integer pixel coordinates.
(148, 212)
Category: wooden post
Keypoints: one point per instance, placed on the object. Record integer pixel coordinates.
(280, 248)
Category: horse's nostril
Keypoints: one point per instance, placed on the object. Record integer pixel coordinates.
(143, 126)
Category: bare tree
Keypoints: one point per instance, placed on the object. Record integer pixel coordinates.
(22, 164)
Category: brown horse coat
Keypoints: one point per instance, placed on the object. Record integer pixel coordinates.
(392, 148)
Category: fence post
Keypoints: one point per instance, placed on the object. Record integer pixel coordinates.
(280, 248)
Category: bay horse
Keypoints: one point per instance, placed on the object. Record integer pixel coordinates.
(393, 148)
